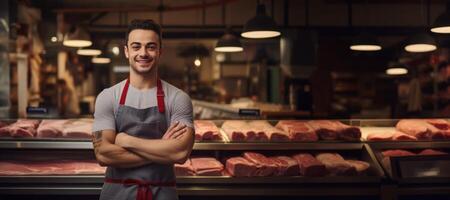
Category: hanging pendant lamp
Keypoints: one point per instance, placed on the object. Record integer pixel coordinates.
(422, 42)
(78, 38)
(228, 43)
(260, 26)
(365, 42)
(395, 68)
(442, 23)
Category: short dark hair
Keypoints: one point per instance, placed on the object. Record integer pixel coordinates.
(146, 24)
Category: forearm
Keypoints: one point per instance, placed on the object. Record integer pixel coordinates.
(166, 151)
(116, 156)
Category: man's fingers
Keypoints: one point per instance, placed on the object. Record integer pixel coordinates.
(178, 134)
(170, 130)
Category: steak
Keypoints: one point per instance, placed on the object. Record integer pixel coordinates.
(336, 164)
(184, 169)
(431, 152)
(235, 130)
(399, 136)
(298, 130)
(310, 166)
(267, 132)
(264, 166)
(380, 136)
(360, 166)
(287, 166)
(239, 167)
(207, 166)
(81, 128)
(206, 130)
(51, 128)
(325, 129)
(420, 129)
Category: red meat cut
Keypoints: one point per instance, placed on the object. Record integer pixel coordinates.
(184, 169)
(310, 166)
(287, 166)
(206, 130)
(265, 167)
(240, 167)
(298, 130)
(207, 166)
(336, 164)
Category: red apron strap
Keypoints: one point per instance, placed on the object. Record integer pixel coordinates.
(123, 97)
(160, 96)
(144, 187)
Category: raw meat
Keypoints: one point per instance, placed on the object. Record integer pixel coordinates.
(51, 128)
(184, 169)
(360, 166)
(239, 167)
(325, 129)
(287, 166)
(265, 167)
(420, 129)
(63, 167)
(235, 130)
(348, 133)
(81, 128)
(431, 152)
(21, 128)
(336, 164)
(381, 136)
(389, 153)
(206, 130)
(310, 166)
(441, 124)
(207, 166)
(268, 132)
(399, 136)
(298, 130)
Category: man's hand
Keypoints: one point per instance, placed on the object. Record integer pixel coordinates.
(175, 131)
(121, 139)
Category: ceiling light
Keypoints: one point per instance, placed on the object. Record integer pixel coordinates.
(197, 62)
(115, 50)
(54, 39)
(260, 26)
(365, 42)
(395, 68)
(396, 71)
(442, 23)
(89, 52)
(421, 43)
(101, 60)
(77, 38)
(229, 43)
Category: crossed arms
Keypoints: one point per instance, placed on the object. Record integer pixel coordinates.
(125, 151)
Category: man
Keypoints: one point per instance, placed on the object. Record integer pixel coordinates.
(131, 132)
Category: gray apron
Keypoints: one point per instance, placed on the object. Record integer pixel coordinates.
(147, 182)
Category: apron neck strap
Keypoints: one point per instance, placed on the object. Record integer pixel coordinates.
(159, 94)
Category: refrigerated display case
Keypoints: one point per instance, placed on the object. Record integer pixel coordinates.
(377, 182)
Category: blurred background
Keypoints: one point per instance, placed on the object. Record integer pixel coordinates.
(285, 58)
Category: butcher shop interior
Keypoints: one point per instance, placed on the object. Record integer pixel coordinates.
(291, 99)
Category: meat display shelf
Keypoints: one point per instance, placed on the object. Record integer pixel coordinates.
(72, 144)
(197, 180)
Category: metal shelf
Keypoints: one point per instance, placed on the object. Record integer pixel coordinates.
(197, 180)
(70, 145)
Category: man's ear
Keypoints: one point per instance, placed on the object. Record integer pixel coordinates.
(125, 49)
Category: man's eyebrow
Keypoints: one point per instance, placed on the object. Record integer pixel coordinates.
(137, 43)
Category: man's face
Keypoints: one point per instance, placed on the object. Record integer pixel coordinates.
(143, 50)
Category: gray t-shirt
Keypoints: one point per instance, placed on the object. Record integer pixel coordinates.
(178, 105)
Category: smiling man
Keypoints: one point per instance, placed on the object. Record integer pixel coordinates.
(142, 125)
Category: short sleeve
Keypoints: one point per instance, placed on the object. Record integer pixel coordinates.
(182, 110)
(104, 112)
